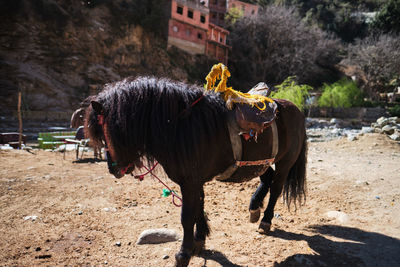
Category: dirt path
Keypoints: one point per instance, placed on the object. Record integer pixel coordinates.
(86, 217)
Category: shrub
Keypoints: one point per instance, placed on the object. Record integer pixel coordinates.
(378, 57)
(277, 44)
(292, 91)
(343, 93)
(394, 111)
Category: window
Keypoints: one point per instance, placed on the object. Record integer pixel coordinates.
(175, 28)
(203, 19)
(253, 11)
(221, 40)
(190, 13)
(213, 15)
(199, 36)
(179, 10)
(188, 32)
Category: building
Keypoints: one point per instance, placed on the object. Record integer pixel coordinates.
(249, 10)
(188, 26)
(197, 26)
(217, 12)
(216, 46)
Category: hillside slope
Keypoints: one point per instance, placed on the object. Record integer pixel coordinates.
(58, 52)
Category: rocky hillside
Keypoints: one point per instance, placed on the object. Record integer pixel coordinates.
(58, 52)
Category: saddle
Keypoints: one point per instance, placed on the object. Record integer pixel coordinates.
(251, 120)
(247, 121)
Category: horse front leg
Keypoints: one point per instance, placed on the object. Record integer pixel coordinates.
(202, 228)
(189, 214)
(257, 199)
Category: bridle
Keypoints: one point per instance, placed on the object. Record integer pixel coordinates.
(109, 152)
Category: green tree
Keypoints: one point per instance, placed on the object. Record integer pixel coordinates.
(343, 93)
(290, 90)
(388, 19)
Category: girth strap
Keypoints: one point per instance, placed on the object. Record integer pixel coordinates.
(237, 151)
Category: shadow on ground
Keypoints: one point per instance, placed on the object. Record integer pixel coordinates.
(88, 160)
(217, 257)
(356, 247)
(351, 247)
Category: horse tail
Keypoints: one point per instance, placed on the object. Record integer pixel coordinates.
(295, 186)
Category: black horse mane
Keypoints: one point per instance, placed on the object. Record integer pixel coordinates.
(154, 118)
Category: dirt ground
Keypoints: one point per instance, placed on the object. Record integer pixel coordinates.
(87, 217)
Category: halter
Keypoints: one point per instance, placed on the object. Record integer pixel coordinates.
(110, 162)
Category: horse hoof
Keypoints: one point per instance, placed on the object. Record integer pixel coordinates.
(198, 246)
(264, 228)
(254, 215)
(182, 259)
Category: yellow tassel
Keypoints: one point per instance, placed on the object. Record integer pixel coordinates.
(221, 72)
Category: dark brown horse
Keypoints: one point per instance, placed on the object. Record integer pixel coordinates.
(157, 119)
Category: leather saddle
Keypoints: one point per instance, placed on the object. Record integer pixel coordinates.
(251, 120)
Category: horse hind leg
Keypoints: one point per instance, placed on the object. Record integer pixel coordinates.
(257, 199)
(275, 191)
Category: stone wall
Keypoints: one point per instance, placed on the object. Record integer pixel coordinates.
(363, 114)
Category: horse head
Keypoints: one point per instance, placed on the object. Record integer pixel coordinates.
(100, 132)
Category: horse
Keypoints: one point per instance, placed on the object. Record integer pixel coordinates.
(78, 122)
(184, 129)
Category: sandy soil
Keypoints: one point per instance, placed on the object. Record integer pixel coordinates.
(86, 217)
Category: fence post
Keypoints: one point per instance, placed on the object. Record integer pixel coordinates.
(19, 120)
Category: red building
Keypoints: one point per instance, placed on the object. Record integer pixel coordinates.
(216, 43)
(248, 10)
(217, 12)
(190, 28)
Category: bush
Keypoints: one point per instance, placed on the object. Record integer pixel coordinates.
(292, 91)
(394, 111)
(277, 44)
(343, 93)
(378, 57)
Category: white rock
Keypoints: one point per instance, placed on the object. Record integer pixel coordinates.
(387, 129)
(366, 130)
(31, 218)
(157, 236)
(338, 215)
(395, 137)
(352, 137)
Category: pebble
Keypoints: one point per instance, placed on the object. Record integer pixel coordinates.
(377, 197)
(157, 236)
(31, 217)
(165, 257)
(338, 215)
(118, 244)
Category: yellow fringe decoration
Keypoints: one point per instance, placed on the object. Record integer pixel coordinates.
(221, 72)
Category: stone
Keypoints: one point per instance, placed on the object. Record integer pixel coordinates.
(387, 129)
(157, 236)
(382, 121)
(352, 137)
(338, 215)
(30, 218)
(395, 136)
(366, 130)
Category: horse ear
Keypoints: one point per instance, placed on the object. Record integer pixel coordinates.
(97, 107)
